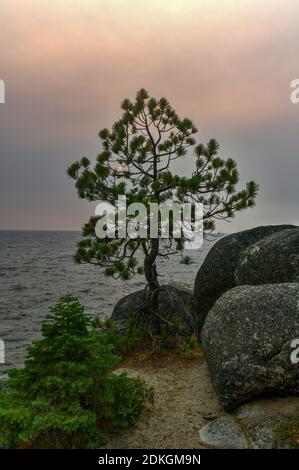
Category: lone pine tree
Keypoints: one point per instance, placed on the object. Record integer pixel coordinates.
(136, 160)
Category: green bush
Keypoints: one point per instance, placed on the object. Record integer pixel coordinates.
(158, 339)
(123, 343)
(186, 260)
(189, 345)
(66, 395)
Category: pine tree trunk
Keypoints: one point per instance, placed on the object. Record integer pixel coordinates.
(150, 270)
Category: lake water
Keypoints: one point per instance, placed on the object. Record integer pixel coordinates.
(36, 268)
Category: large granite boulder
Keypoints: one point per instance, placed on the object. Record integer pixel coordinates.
(216, 275)
(247, 339)
(273, 259)
(168, 305)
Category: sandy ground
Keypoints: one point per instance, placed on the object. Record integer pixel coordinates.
(183, 396)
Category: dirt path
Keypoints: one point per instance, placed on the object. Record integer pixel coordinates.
(183, 396)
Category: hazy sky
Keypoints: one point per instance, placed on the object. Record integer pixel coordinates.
(68, 64)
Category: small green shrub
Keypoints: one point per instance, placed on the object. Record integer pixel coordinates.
(122, 343)
(158, 338)
(189, 345)
(66, 395)
(186, 260)
(130, 341)
(168, 337)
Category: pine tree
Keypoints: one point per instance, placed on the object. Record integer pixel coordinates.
(136, 159)
(67, 394)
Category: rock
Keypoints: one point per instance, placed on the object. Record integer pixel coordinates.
(168, 303)
(247, 339)
(255, 425)
(127, 306)
(260, 420)
(273, 259)
(211, 416)
(216, 275)
(223, 433)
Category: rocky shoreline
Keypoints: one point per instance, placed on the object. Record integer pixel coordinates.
(246, 312)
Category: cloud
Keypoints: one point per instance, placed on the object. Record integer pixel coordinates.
(67, 65)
